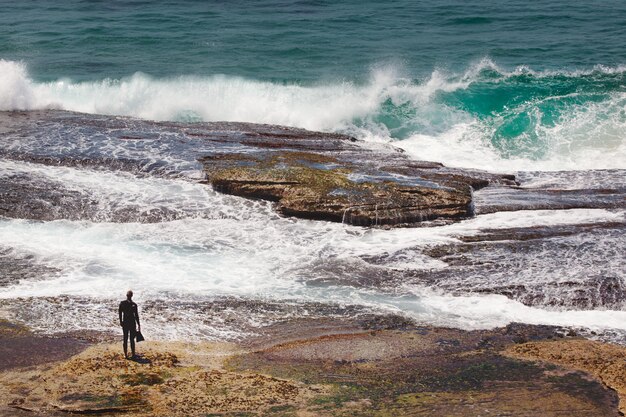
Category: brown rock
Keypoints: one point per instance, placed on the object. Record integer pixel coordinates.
(321, 187)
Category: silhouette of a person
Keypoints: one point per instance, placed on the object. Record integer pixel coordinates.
(129, 315)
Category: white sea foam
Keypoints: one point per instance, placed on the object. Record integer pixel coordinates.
(587, 136)
(247, 251)
(214, 98)
(16, 89)
(480, 312)
(590, 136)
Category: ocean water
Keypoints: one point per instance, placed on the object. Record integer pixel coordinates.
(530, 87)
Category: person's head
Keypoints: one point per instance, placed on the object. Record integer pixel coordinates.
(129, 294)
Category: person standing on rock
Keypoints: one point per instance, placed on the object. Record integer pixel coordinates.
(129, 315)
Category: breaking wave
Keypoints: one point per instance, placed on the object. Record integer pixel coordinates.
(485, 117)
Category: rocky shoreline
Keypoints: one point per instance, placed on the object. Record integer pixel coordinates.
(321, 368)
(311, 175)
(295, 357)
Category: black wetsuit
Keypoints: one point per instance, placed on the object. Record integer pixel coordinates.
(129, 315)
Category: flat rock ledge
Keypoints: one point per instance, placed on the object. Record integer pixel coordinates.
(516, 371)
(332, 177)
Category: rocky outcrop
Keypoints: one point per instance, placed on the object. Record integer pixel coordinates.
(311, 175)
(321, 187)
(331, 177)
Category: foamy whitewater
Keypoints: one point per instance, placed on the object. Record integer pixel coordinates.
(432, 120)
(226, 246)
(535, 90)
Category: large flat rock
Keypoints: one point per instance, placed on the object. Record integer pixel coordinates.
(322, 187)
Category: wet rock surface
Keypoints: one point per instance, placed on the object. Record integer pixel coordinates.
(322, 187)
(35, 198)
(223, 318)
(311, 174)
(515, 262)
(497, 198)
(16, 266)
(20, 348)
(508, 262)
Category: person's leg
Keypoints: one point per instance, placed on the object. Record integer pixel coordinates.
(133, 334)
(126, 331)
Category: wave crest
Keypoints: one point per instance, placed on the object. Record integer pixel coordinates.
(485, 117)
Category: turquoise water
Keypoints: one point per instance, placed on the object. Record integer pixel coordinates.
(489, 84)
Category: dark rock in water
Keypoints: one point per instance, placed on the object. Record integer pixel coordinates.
(538, 232)
(23, 198)
(495, 199)
(555, 191)
(30, 197)
(520, 264)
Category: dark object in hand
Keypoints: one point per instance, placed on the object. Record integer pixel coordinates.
(139, 337)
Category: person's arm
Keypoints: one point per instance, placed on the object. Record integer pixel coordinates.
(120, 312)
(137, 317)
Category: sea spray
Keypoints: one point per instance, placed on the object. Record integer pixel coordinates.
(16, 89)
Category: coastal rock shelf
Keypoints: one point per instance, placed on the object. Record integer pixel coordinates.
(349, 369)
(310, 175)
